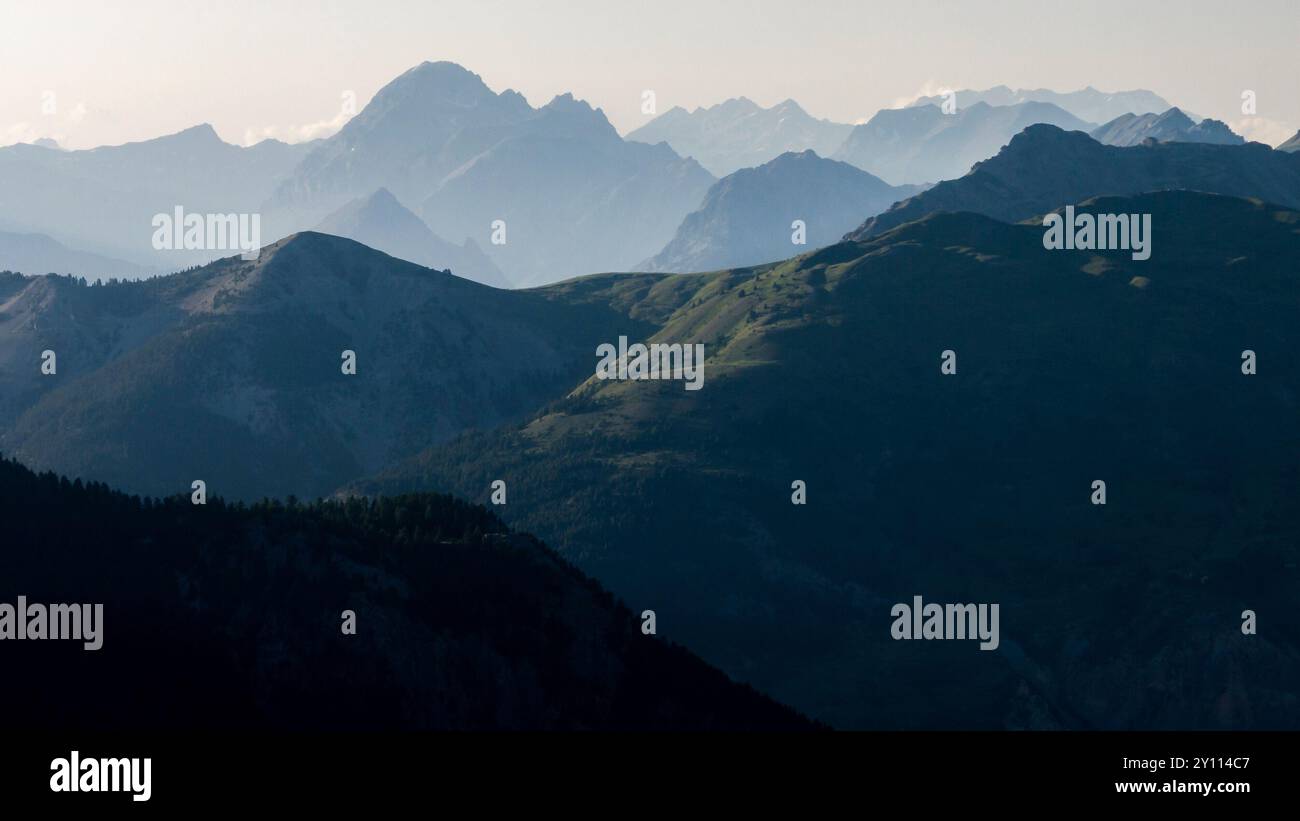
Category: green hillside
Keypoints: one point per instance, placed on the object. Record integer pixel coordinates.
(1073, 366)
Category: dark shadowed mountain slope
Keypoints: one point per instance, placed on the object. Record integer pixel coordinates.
(1087, 104)
(383, 223)
(218, 618)
(40, 254)
(739, 133)
(747, 217)
(1044, 168)
(232, 373)
(1291, 145)
(923, 144)
(1171, 126)
(1072, 367)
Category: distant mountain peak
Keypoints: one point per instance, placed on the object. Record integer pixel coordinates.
(739, 133)
(1172, 125)
(202, 131)
(1088, 104)
(436, 82)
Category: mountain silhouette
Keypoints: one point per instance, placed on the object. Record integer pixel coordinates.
(747, 217)
(40, 254)
(383, 223)
(739, 133)
(546, 193)
(103, 200)
(1087, 104)
(1171, 126)
(1043, 168)
(924, 144)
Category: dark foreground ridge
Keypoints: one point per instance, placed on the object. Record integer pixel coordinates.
(225, 617)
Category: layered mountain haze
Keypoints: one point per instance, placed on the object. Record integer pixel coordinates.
(103, 200)
(1044, 167)
(546, 193)
(748, 217)
(739, 133)
(923, 144)
(1291, 145)
(40, 254)
(571, 196)
(383, 223)
(232, 373)
(1073, 366)
(1087, 104)
(1170, 126)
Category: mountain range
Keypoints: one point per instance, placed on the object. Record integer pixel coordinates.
(1170, 126)
(1087, 104)
(748, 217)
(829, 468)
(975, 487)
(1043, 167)
(546, 193)
(381, 222)
(41, 254)
(103, 200)
(739, 133)
(233, 372)
(923, 144)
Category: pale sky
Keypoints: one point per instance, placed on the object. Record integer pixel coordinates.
(97, 72)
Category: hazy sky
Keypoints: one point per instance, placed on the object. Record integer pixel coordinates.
(118, 71)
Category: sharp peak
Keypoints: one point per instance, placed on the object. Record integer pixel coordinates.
(204, 130)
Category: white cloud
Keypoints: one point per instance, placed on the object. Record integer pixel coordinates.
(1263, 130)
(931, 88)
(298, 133)
(29, 133)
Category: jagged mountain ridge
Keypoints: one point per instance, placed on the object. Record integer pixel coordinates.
(1170, 126)
(739, 133)
(546, 193)
(1087, 104)
(1044, 167)
(923, 144)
